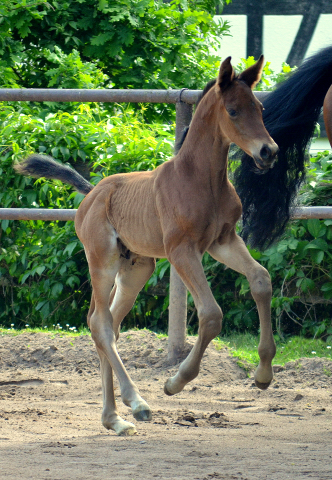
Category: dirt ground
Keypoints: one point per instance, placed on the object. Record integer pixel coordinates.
(220, 427)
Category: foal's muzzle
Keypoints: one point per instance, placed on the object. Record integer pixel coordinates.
(267, 156)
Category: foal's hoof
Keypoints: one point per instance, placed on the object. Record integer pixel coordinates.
(129, 431)
(120, 427)
(262, 386)
(143, 415)
(141, 411)
(167, 392)
(167, 388)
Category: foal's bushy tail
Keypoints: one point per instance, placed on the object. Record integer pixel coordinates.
(43, 166)
(290, 116)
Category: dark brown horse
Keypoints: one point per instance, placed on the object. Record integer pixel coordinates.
(327, 113)
(290, 116)
(180, 210)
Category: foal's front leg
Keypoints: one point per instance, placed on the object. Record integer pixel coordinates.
(235, 255)
(187, 262)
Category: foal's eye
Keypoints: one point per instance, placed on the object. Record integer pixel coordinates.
(232, 112)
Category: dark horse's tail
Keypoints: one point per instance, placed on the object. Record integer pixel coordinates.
(43, 166)
(290, 116)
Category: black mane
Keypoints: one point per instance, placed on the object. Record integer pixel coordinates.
(290, 116)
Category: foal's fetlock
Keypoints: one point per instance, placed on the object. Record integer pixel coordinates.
(175, 385)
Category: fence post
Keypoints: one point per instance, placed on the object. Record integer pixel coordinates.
(177, 291)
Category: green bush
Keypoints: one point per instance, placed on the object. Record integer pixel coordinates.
(43, 271)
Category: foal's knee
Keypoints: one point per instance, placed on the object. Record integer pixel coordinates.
(260, 284)
(210, 321)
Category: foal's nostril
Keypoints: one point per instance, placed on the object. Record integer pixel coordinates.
(265, 153)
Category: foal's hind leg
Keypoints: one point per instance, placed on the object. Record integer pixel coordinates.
(235, 255)
(110, 417)
(131, 278)
(104, 264)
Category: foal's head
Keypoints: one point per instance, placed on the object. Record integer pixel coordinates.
(240, 116)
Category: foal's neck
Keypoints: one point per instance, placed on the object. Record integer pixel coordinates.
(205, 148)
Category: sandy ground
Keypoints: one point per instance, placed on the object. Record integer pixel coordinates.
(220, 427)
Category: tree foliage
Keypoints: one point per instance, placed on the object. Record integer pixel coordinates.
(135, 43)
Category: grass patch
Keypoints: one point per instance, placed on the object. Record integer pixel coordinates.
(244, 347)
(55, 330)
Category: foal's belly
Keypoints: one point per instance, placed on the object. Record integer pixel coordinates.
(144, 242)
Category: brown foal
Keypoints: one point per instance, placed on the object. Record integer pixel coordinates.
(180, 210)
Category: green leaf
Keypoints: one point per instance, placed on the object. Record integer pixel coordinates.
(41, 304)
(4, 224)
(71, 281)
(318, 244)
(25, 276)
(163, 270)
(327, 287)
(45, 310)
(317, 256)
(70, 248)
(56, 289)
(101, 39)
(55, 152)
(292, 243)
(306, 284)
(40, 269)
(78, 199)
(316, 227)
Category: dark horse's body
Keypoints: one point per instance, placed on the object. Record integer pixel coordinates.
(290, 116)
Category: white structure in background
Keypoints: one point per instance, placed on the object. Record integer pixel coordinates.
(278, 36)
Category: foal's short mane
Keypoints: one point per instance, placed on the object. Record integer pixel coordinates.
(207, 87)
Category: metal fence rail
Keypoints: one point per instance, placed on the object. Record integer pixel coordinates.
(51, 214)
(98, 95)
(65, 214)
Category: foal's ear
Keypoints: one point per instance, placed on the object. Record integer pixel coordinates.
(226, 74)
(252, 75)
